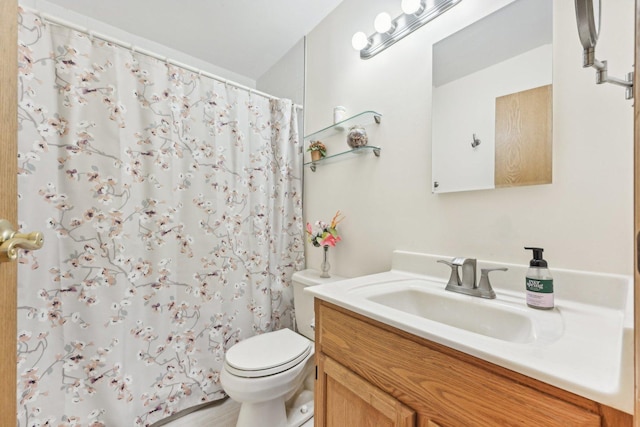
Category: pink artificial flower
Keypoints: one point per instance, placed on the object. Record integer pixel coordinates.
(330, 240)
(309, 229)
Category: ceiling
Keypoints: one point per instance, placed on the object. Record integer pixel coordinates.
(243, 36)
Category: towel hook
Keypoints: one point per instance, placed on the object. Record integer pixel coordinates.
(475, 142)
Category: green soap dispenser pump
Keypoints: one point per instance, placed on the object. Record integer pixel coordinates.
(539, 282)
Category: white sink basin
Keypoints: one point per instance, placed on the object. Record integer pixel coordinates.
(501, 319)
(474, 315)
(584, 345)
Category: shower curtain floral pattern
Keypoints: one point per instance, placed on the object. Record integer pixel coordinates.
(171, 206)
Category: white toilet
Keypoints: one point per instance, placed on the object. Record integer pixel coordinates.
(272, 374)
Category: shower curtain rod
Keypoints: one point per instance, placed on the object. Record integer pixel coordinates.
(92, 34)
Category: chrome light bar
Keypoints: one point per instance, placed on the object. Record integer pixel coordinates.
(404, 25)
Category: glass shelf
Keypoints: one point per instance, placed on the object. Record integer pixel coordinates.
(360, 150)
(361, 119)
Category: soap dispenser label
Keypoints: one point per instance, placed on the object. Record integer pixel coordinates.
(540, 292)
(540, 285)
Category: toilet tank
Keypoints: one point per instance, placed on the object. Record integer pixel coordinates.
(303, 302)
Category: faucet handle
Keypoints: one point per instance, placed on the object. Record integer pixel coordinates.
(486, 291)
(454, 279)
(459, 261)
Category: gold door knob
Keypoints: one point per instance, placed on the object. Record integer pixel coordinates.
(11, 241)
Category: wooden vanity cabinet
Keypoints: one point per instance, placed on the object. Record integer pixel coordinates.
(371, 374)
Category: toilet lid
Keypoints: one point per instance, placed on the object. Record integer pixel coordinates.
(267, 354)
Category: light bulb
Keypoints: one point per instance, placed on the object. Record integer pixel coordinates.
(410, 6)
(382, 23)
(359, 40)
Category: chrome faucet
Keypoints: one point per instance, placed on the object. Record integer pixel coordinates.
(468, 285)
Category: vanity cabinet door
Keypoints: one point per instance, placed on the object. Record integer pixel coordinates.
(348, 400)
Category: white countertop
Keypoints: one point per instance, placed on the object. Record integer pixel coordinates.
(584, 345)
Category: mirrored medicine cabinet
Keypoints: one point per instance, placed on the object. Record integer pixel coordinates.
(492, 101)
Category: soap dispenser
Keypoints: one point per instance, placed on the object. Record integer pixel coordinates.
(539, 282)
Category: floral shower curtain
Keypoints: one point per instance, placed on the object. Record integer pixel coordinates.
(171, 207)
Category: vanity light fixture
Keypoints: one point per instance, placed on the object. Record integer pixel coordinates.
(359, 40)
(416, 14)
(411, 6)
(383, 23)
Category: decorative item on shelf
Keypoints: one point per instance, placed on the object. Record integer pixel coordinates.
(339, 114)
(325, 235)
(318, 150)
(357, 137)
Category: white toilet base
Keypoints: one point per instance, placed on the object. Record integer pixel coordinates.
(269, 413)
(273, 413)
(300, 409)
(287, 409)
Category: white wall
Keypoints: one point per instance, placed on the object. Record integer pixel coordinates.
(583, 220)
(467, 106)
(285, 79)
(104, 28)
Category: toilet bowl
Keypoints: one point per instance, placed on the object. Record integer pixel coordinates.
(272, 374)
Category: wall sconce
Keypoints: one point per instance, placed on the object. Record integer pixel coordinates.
(416, 13)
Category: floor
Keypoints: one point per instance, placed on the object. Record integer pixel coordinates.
(219, 414)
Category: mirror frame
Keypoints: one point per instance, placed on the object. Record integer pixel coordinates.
(588, 18)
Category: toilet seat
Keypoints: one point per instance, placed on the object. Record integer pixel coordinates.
(267, 354)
